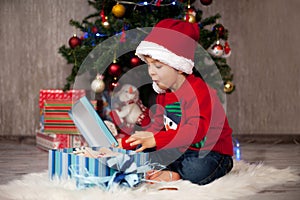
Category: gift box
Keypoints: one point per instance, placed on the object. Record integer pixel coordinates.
(69, 163)
(125, 168)
(47, 141)
(53, 94)
(55, 117)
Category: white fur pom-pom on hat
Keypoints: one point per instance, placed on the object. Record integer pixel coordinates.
(172, 42)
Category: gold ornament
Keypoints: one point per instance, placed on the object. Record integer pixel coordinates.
(192, 18)
(228, 87)
(118, 10)
(98, 84)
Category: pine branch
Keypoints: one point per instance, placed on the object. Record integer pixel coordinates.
(76, 24)
(210, 20)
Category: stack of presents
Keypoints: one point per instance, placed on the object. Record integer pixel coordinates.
(56, 129)
(71, 157)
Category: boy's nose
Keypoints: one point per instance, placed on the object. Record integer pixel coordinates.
(151, 70)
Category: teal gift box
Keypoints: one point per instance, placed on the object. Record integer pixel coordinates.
(62, 160)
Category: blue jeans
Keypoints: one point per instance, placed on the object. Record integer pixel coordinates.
(201, 167)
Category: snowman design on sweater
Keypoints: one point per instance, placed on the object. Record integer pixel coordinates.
(172, 118)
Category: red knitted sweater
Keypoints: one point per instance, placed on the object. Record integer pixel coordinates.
(191, 117)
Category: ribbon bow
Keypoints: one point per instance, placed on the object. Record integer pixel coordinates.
(127, 174)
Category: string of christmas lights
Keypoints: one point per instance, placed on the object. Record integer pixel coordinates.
(145, 3)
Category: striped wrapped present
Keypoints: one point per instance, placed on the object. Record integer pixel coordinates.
(61, 163)
(55, 117)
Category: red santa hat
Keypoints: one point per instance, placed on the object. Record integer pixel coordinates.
(172, 42)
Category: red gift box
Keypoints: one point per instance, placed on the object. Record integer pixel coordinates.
(49, 141)
(52, 94)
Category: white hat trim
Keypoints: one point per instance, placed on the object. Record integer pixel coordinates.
(162, 54)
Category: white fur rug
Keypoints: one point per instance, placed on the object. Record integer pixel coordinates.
(245, 179)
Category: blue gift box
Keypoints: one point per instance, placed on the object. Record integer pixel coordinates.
(122, 168)
(61, 162)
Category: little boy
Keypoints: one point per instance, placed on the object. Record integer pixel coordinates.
(190, 116)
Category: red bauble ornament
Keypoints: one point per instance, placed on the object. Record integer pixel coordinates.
(74, 41)
(217, 50)
(206, 2)
(94, 29)
(114, 69)
(135, 61)
(219, 29)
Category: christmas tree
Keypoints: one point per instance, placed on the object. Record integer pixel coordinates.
(115, 18)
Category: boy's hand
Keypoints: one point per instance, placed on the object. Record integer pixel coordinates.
(144, 138)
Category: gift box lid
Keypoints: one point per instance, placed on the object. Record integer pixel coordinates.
(90, 125)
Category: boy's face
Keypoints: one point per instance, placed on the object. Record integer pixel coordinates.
(163, 75)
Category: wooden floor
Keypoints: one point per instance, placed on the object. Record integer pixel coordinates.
(19, 158)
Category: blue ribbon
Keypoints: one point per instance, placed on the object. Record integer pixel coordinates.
(127, 174)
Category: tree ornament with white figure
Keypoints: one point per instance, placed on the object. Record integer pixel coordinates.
(128, 111)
